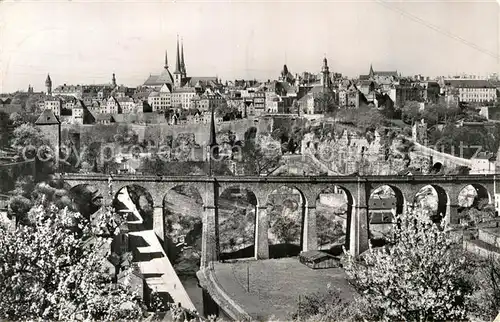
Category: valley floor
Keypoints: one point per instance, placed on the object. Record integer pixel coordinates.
(275, 285)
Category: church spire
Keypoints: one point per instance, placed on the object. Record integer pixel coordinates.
(213, 150)
(166, 60)
(212, 140)
(371, 70)
(177, 60)
(183, 66)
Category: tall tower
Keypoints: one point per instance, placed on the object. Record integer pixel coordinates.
(325, 71)
(50, 126)
(166, 60)
(48, 85)
(177, 72)
(183, 65)
(113, 80)
(213, 149)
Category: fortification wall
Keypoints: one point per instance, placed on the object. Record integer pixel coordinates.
(157, 132)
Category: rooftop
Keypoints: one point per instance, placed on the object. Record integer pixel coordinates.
(47, 118)
(469, 83)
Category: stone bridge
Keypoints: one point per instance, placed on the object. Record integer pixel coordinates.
(445, 159)
(357, 189)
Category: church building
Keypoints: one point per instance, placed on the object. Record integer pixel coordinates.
(177, 89)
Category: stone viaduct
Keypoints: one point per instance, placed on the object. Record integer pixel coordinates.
(357, 189)
(441, 157)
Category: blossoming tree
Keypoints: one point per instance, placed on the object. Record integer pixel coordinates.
(422, 276)
(50, 269)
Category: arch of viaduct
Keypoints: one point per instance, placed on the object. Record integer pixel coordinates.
(357, 188)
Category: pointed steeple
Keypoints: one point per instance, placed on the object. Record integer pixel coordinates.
(166, 60)
(213, 150)
(177, 59)
(183, 65)
(212, 141)
(371, 70)
(48, 81)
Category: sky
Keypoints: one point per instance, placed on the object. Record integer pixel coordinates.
(85, 42)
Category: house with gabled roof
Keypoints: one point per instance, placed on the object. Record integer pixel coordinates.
(113, 106)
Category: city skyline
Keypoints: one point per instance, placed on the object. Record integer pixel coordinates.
(86, 42)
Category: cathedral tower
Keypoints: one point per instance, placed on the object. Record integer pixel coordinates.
(178, 69)
(183, 65)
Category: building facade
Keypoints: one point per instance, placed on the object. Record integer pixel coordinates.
(472, 90)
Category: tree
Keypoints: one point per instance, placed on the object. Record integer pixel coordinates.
(328, 230)
(53, 269)
(487, 297)
(286, 230)
(480, 212)
(226, 112)
(4, 128)
(27, 135)
(422, 276)
(326, 102)
(256, 159)
(19, 207)
(410, 112)
(369, 119)
(24, 186)
(289, 132)
(16, 119)
(31, 105)
(364, 118)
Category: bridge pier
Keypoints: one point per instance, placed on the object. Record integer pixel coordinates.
(452, 212)
(209, 237)
(358, 239)
(261, 233)
(310, 230)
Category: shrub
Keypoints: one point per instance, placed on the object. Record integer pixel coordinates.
(320, 307)
(422, 276)
(486, 298)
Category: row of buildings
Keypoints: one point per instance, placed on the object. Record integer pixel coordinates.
(177, 95)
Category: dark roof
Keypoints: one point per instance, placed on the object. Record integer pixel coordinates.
(151, 80)
(315, 255)
(318, 90)
(469, 83)
(202, 79)
(5, 100)
(47, 118)
(165, 77)
(386, 73)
